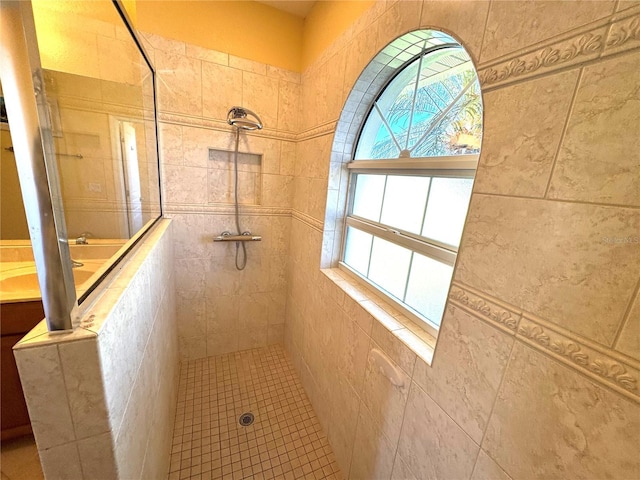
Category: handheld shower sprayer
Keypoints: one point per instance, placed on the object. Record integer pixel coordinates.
(244, 119)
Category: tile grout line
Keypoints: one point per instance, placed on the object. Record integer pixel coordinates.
(484, 34)
(495, 401)
(564, 131)
(396, 453)
(627, 315)
(73, 423)
(559, 200)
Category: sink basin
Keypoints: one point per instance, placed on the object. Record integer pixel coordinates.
(28, 282)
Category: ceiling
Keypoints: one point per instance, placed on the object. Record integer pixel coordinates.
(299, 8)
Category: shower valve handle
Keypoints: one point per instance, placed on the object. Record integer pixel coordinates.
(244, 237)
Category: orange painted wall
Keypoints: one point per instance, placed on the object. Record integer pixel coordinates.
(246, 29)
(250, 29)
(326, 21)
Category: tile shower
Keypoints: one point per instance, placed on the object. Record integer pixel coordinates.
(524, 180)
(544, 304)
(212, 318)
(285, 440)
(543, 316)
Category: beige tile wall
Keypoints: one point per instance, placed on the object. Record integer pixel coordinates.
(102, 399)
(536, 371)
(221, 309)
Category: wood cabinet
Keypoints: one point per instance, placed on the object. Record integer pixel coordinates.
(16, 319)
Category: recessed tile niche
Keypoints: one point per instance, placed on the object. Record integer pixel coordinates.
(221, 180)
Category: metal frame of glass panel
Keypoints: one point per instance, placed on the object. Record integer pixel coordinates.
(25, 99)
(23, 87)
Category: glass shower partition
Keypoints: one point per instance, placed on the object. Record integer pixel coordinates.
(80, 97)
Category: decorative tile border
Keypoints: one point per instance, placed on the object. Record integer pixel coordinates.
(614, 34)
(220, 125)
(308, 220)
(623, 35)
(225, 209)
(576, 50)
(94, 106)
(503, 318)
(600, 363)
(596, 363)
(82, 104)
(318, 131)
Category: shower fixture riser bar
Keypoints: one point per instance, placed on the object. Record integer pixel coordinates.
(237, 238)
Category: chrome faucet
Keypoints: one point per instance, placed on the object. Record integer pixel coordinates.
(76, 264)
(82, 239)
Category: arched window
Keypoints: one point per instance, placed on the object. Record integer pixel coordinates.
(411, 176)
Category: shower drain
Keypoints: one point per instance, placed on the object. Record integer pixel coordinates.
(246, 419)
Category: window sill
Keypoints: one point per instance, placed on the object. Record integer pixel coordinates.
(408, 332)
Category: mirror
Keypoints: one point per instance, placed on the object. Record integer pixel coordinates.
(100, 95)
(100, 104)
(13, 223)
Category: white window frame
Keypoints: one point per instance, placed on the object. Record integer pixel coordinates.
(458, 166)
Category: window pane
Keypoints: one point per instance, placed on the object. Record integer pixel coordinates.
(457, 131)
(389, 266)
(447, 209)
(395, 105)
(448, 111)
(357, 250)
(404, 202)
(368, 196)
(428, 287)
(432, 107)
(376, 140)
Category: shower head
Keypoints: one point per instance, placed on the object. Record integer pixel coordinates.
(244, 118)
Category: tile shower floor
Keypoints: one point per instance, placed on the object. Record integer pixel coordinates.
(285, 440)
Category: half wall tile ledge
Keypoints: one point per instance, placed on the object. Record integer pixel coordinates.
(409, 333)
(103, 301)
(40, 336)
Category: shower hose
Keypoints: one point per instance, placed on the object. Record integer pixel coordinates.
(240, 264)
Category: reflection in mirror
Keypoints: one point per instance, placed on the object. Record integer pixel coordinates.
(18, 280)
(101, 102)
(13, 222)
(100, 98)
